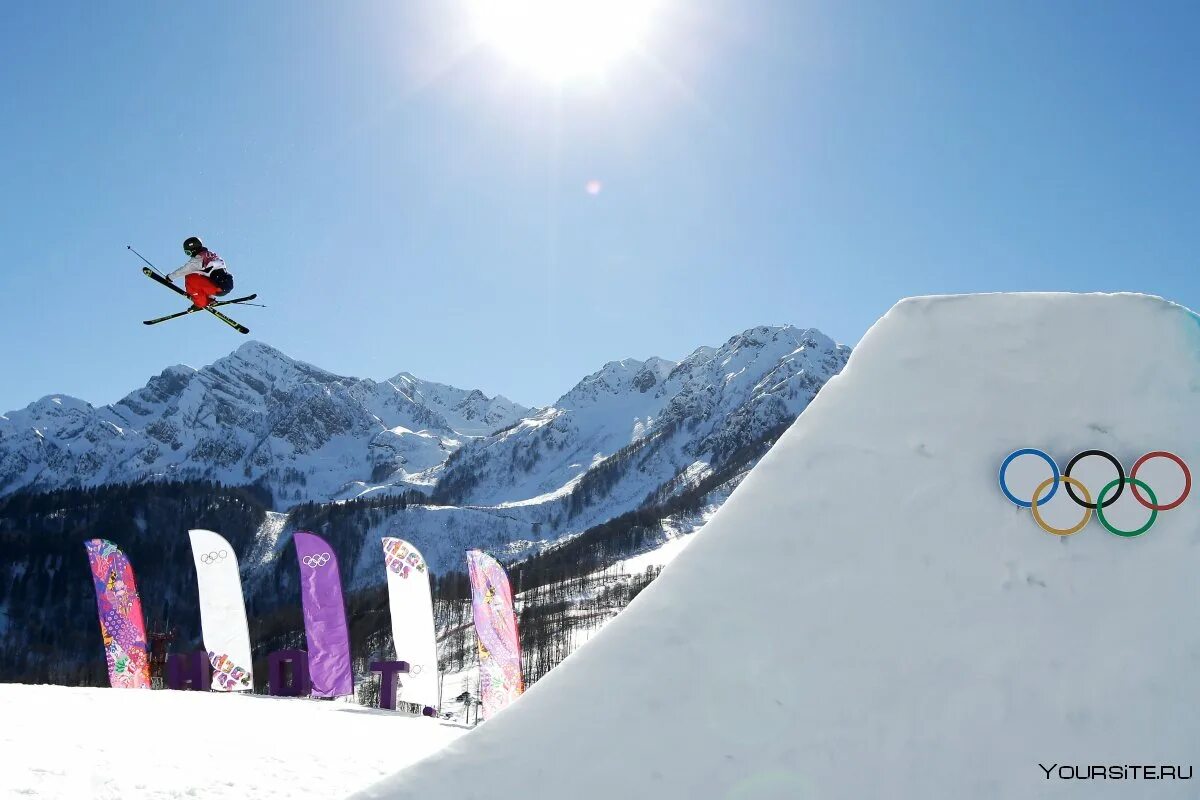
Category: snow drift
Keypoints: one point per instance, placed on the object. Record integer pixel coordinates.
(868, 616)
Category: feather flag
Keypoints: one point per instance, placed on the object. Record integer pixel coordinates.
(412, 621)
(325, 628)
(500, 680)
(121, 624)
(222, 612)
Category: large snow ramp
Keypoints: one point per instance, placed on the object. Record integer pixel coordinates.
(869, 617)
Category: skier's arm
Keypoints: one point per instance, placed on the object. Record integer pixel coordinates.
(194, 264)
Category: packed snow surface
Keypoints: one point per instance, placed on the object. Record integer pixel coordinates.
(869, 617)
(108, 744)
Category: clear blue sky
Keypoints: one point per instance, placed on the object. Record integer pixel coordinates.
(404, 201)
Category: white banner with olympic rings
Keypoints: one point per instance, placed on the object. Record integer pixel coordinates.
(222, 612)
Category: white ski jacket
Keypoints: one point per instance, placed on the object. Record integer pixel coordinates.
(206, 261)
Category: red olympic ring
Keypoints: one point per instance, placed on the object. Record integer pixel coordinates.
(1187, 480)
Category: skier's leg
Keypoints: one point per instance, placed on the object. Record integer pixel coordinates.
(200, 289)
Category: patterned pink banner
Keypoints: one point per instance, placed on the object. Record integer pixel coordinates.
(121, 623)
(500, 680)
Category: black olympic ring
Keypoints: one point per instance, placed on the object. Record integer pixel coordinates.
(213, 557)
(1112, 460)
(319, 560)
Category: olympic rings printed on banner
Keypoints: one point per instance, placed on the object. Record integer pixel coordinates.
(1106, 496)
(319, 560)
(213, 557)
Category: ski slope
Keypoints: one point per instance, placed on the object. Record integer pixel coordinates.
(869, 617)
(61, 743)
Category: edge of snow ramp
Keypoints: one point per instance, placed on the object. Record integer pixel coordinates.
(869, 616)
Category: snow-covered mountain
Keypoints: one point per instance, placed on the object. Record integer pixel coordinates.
(632, 429)
(469, 412)
(253, 416)
(636, 428)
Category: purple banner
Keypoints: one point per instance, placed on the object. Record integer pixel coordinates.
(324, 617)
(500, 680)
(121, 624)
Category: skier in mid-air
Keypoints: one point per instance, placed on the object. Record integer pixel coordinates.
(206, 279)
(207, 276)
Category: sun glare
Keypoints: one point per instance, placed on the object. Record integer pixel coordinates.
(563, 39)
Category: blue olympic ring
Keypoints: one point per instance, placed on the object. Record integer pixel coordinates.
(1029, 451)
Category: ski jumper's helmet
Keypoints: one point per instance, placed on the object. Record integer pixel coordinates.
(192, 245)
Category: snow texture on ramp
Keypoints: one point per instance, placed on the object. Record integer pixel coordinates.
(868, 616)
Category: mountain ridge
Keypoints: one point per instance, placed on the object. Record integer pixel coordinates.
(255, 408)
(308, 434)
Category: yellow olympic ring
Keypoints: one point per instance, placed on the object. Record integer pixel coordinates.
(1087, 512)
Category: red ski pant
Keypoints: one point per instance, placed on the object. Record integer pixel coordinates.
(200, 289)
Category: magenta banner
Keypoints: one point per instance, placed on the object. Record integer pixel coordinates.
(500, 680)
(324, 617)
(121, 623)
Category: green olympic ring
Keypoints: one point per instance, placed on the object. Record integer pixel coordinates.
(1111, 529)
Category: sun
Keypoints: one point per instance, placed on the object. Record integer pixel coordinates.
(559, 40)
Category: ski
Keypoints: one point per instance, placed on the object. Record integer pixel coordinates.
(237, 326)
(179, 314)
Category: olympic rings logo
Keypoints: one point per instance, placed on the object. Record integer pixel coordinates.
(213, 557)
(1108, 495)
(319, 560)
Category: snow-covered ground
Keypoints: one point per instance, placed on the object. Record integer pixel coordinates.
(109, 744)
(869, 617)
